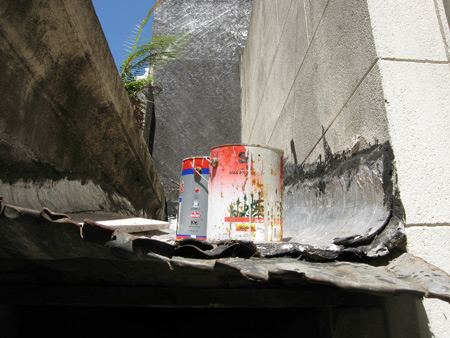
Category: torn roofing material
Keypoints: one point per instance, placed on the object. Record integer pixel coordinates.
(46, 247)
(342, 200)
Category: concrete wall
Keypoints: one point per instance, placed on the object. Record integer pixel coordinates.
(68, 140)
(343, 75)
(200, 106)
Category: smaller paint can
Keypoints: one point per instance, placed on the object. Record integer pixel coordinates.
(193, 198)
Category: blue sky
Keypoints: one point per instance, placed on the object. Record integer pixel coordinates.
(118, 19)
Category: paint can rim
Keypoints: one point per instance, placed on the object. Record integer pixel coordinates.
(195, 157)
(248, 145)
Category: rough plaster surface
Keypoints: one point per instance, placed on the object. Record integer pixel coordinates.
(415, 36)
(430, 243)
(309, 72)
(363, 119)
(416, 80)
(437, 313)
(418, 110)
(417, 105)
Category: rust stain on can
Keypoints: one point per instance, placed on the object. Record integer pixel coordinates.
(245, 193)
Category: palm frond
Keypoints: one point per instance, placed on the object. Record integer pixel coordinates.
(153, 54)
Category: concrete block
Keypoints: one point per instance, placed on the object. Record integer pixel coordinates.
(438, 315)
(429, 243)
(362, 122)
(355, 81)
(313, 14)
(267, 83)
(363, 119)
(317, 152)
(443, 12)
(267, 11)
(302, 35)
(283, 7)
(282, 135)
(337, 61)
(417, 105)
(415, 36)
(280, 79)
(326, 79)
(269, 44)
(308, 127)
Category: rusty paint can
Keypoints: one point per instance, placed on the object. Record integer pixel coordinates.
(245, 193)
(193, 198)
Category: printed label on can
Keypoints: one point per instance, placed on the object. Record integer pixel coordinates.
(195, 215)
(245, 193)
(193, 198)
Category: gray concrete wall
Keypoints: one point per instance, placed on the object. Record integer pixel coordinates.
(200, 106)
(67, 136)
(335, 77)
(301, 78)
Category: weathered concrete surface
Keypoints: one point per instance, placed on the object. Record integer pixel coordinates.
(334, 77)
(200, 105)
(430, 243)
(414, 67)
(67, 136)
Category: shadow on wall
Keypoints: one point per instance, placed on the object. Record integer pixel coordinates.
(447, 11)
(68, 140)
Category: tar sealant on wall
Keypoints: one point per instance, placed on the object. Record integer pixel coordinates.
(193, 198)
(245, 193)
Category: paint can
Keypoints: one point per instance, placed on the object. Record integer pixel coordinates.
(245, 193)
(193, 198)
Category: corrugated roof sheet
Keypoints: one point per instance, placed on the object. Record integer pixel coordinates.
(37, 247)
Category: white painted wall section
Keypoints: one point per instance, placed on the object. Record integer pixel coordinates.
(418, 111)
(407, 30)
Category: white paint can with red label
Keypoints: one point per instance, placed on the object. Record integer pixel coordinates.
(245, 198)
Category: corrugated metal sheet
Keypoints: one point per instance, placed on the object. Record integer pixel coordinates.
(47, 247)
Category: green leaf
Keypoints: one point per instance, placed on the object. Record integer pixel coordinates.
(153, 54)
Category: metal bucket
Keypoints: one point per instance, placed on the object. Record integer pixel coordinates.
(245, 193)
(193, 198)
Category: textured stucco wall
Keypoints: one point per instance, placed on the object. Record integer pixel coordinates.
(68, 140)
(340, 75)
(414, 66)
(200, 105)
